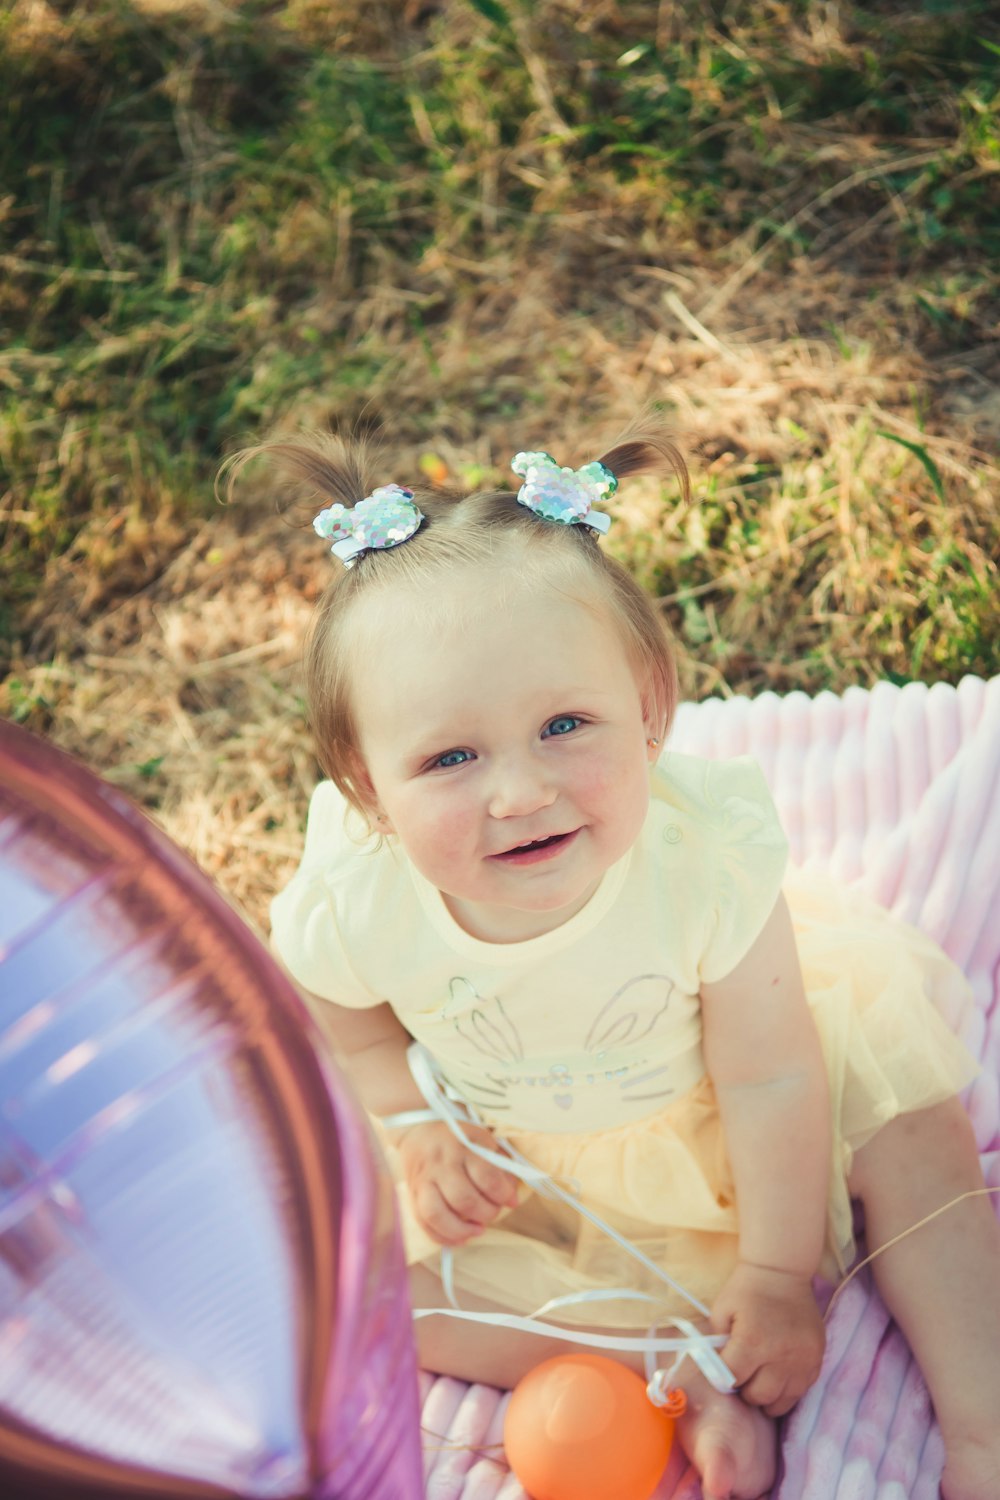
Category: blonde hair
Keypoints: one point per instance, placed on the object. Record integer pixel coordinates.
(478, 529)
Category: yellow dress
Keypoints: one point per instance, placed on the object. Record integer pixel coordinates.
(581, 1048)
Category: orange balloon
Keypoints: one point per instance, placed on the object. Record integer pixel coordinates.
(581, 1427)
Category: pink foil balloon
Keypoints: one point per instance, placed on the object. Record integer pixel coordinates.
(201, 1283)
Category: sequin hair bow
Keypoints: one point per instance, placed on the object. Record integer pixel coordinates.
(382, 519)
(566, 495)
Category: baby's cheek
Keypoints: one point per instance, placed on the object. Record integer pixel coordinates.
(609, 779)
(444, 835)
(616, 790)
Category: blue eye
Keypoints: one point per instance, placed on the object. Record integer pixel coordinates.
(452, 758)
(565, 724)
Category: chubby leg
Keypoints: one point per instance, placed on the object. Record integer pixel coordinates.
(731, 1445)
(942, 1282)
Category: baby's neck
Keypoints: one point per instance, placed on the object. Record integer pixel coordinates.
(505, 924)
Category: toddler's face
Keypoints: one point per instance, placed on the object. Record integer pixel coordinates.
(506, 746)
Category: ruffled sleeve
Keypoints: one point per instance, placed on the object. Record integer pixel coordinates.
(751, 853)
(312, 919)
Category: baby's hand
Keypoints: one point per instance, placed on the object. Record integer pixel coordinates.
(454, 1193)
(776, 1335)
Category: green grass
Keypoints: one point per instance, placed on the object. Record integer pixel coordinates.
(215, 219)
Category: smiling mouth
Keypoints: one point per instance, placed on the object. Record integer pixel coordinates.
(553, 838)
(537, 848)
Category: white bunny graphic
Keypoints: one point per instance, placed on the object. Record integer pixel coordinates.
(631, 1014)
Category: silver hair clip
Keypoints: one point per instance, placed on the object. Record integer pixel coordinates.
(382, 519)
(565, 495)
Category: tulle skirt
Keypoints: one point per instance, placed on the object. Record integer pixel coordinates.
(880, 993)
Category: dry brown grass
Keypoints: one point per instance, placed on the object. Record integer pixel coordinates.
(162, 645)
(187, 692)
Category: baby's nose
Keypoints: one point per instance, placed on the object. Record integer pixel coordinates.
(518, 790)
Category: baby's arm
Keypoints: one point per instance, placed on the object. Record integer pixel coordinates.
(763, 1055)
(454, 1193)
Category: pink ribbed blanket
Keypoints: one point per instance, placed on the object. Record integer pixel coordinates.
(898, 791)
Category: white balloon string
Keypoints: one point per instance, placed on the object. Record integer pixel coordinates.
(456, 1113)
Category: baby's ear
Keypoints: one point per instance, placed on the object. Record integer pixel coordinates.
(652, 713)
(362, 783)
(654, 722)
(368, 797)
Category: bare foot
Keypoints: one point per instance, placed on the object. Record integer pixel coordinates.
(732, 1445)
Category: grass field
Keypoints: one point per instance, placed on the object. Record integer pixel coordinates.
(485, 225)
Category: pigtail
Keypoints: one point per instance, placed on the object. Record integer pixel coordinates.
(315, 471)
(645, 448)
